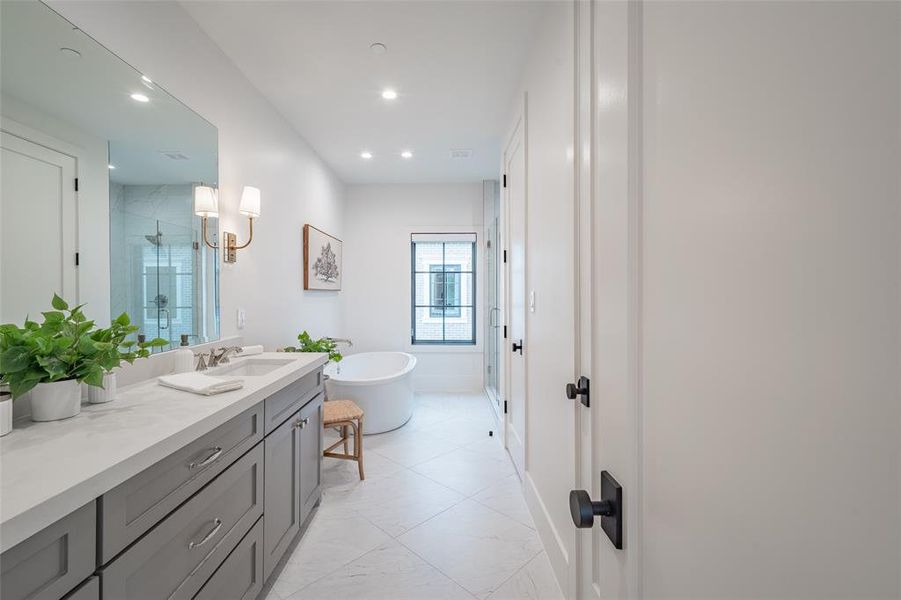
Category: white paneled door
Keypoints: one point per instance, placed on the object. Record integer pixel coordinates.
(745, 299)
(514, 194)
(37, 228)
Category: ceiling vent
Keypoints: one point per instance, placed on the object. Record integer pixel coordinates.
(461, 153)
(174, 154)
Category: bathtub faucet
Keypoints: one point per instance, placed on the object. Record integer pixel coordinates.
(340, 341)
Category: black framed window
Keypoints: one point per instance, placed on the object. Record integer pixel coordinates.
(443, 269)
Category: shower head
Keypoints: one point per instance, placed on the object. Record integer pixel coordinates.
(154, 239)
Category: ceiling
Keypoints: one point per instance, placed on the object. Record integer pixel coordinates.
(455, 65)
(89, 88)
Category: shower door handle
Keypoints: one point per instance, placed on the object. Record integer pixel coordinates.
(168, 318)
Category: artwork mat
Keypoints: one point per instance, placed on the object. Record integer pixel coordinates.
(310, 282)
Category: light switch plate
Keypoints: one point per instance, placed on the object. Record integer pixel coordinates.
(532, 301)
(242, 318)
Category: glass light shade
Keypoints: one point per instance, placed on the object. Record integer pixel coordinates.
(206, 202)
(250, 202)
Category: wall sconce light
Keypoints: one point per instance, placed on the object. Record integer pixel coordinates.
(206, 205)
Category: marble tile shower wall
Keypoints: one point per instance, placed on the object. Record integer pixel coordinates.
(137, 214)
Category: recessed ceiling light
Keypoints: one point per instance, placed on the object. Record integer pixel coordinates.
(389, 94)
(366, 155)
(406, 154)
(111, 167)
(140, 98)
(146, 79)
(378, 48)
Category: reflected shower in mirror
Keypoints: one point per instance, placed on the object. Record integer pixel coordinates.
(99, 165)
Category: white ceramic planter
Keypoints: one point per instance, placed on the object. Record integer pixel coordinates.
(55, 401)
(6, 414)
(98, 395)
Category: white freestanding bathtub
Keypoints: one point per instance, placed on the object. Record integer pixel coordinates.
(379, 382)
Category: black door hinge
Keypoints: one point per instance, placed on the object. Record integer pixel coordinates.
(505, 407)
(505, 180)
(505, 256)
(76, 184)
(505, 332)
(77, 259)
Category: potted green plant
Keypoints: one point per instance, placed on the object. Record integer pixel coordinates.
(53, 358)
(308, 344)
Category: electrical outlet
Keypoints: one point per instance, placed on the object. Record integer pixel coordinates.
(242, 318)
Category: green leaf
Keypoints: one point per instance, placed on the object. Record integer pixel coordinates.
(53, 317)
(123, 320)
(94, 376)
(14, 360)
(58, 303)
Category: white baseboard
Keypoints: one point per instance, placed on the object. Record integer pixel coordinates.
(550, 537)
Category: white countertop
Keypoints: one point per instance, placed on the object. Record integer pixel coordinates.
(48, 470)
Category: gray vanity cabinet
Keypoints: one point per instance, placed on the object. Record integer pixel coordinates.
(132, 508)
(310, 456)
(209, 521)
(177, 556)
(285, 402)
(282, 490)
(293, 479)
(240, 577)
(89, 590)
(53, 561)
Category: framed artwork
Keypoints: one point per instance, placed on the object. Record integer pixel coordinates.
(322, 269)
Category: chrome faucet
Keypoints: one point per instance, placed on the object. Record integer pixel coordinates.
(217, 356)
(201, 361)
(340, 341)
(220, 356)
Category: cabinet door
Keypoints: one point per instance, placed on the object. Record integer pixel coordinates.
(310, 456)
(281, 504)
(53, 561)
(240, 577)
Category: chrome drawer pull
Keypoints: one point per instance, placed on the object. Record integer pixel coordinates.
(217, 526)
(217, 452)
(301, 423)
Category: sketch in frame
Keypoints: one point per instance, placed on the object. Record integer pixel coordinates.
(322, 268)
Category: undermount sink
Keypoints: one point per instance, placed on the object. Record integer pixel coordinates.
(250, 368)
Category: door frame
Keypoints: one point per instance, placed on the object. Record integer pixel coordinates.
(518, 128)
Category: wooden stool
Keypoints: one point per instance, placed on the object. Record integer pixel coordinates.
(342, 414)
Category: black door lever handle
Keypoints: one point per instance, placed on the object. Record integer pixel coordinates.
(517, 347)
(579, 390)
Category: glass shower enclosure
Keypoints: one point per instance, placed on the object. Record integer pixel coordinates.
(493, 298)
(162, 274)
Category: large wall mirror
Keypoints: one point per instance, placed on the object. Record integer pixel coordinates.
(99, 164)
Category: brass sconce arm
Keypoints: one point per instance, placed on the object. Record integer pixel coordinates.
(206, 239)
(250, 239)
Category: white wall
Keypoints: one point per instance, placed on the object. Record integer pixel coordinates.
(549, 345)
(378, 223)
(256, 147)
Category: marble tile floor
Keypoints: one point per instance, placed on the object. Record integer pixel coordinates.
(441, 515)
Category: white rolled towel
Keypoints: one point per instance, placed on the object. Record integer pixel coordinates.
(198, 383)
(251, 350)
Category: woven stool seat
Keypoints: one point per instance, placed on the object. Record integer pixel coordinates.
(335, 411)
